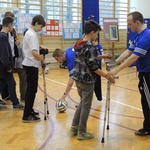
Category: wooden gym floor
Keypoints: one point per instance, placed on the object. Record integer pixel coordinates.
(53, 134)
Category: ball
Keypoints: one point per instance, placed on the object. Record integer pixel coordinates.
(61, 106)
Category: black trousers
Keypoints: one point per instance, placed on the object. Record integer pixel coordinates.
(5, 91)
(97, 88)
(144, 88)
(32, 83)
(8, 82)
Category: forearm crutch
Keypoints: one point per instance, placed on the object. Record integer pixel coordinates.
(46, 110)
(109, 65)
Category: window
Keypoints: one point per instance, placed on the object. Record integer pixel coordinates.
(65, 10)
(114, 9)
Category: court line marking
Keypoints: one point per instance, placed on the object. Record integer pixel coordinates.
(103, 97)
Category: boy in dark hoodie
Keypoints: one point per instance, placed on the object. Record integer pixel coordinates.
(86, 67)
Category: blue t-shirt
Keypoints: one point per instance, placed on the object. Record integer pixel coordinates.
(99, 51)
(70, 55)
(141, 46)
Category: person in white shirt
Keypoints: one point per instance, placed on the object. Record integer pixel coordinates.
(31, 63)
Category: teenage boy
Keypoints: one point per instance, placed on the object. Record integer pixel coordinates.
(31, 63)
(6, 63)
(86, 66)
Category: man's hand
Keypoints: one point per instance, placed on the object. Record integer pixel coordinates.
(114, 71)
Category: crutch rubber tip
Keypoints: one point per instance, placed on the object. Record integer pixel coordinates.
(45, 118)
(107, 127)
(102, 140)
(48, 112)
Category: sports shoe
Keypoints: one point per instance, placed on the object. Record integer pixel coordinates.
(31, 118)
(2, 107)
(143, 132)
(73, 130)
(85, 136)
(18, 106)
(2, 102)
(35, 113)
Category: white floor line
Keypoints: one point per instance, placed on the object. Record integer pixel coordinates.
(103, 97)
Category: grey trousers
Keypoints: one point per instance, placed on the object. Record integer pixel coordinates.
(85, 91)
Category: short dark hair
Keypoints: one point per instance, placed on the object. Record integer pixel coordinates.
(57, 52)
(91, 25)
(137, 16)
(9, 13)
(7, 20)
(38, 19)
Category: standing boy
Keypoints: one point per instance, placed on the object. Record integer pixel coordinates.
(6, 63)
(85, 68)
(31, 64)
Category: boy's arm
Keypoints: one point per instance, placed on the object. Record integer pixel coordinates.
(107, 76)
(37, 56)
(5, 55)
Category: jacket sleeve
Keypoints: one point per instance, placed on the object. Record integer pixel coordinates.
(91, 59)
(4, 54)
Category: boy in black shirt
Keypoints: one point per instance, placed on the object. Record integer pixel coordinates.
(6, 63)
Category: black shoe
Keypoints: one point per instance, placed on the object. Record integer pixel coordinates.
(143, 132)
(35, 113)
(31, 118)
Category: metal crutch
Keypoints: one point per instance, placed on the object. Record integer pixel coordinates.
(46, 110)
(109, 65)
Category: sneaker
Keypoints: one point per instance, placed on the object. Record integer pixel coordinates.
(2, 107)
(35, 113)
(2, 102)
(143, 132)
(73, 130)
(31, 118)
(18, 106)
(85, 136)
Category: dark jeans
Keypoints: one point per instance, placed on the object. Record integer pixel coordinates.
(8, 80)
(5, 92)
(144, 88)
(22, 82)
(85, 92)
(32, 83)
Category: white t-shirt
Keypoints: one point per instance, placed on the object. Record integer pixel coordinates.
(30, 42)
(11, 41)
